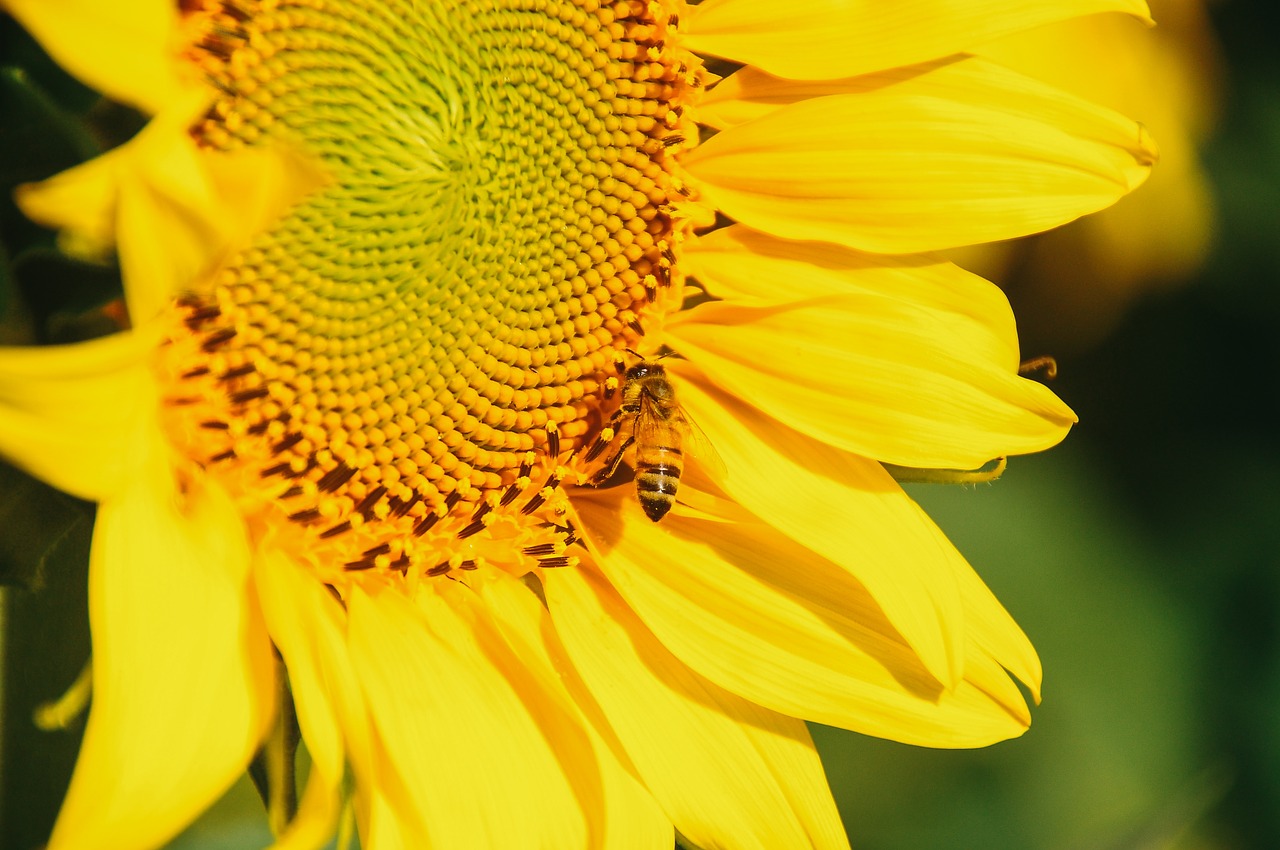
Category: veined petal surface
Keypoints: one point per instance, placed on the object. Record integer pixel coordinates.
(711, 757)
(446, 718)
(308, 626)
(968, 152)
(848, 510)
(779, 625)
(822, 39)
(750, 93)
(183, 675)
(893, 370)
(994, 635)
(127, 50)
(628, 818)
(742, 266)
(386, 826)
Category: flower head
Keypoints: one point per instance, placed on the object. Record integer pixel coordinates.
(369, 414)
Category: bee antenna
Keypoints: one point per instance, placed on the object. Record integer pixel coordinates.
(637, 355)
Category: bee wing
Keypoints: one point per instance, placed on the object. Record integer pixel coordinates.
(699, 447)
(649, 422)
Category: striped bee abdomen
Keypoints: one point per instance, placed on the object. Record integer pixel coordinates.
(658, 469)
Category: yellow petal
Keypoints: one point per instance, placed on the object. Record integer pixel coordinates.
(712, 759)
(317, 816)
(994, 634)
(387, 827)
(201, 206)
(506, 618)
(821, 39)
(745, 267)
(785, 745)
(308, 627)
(1169, 76)
(849, 511)
(777, 624)
(898, 369)
(174, 210)
(467, 762)
(627, 818)
(82, 199)
(749, 93)
(127, 50)
(967, 152)
(82, 417)
(183, 673)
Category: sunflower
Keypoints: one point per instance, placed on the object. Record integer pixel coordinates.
(394, 270)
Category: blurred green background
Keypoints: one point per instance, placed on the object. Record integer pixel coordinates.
(1142, 556)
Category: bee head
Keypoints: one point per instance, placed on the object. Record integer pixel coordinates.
(643, 369)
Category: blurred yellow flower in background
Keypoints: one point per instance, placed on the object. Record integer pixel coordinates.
(386, 264)
(1071, 286)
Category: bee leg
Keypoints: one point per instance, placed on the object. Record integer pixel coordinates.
(611, 429)
(613, 383)
(606, 472)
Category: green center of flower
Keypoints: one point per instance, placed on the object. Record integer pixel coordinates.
(423, 345)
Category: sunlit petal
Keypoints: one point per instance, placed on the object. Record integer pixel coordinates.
(127, 49)
(627, 818)
(968, 152)
(448, 718)
(308, 627)
(81, 417)
(710, 756)
(817, 39)
(901, 367)
(850, 511)
(318, 811)
(182, 667)
(779, 625)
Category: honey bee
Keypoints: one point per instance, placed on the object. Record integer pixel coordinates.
(656, 424)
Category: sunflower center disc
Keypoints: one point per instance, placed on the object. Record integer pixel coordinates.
(412, 351)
